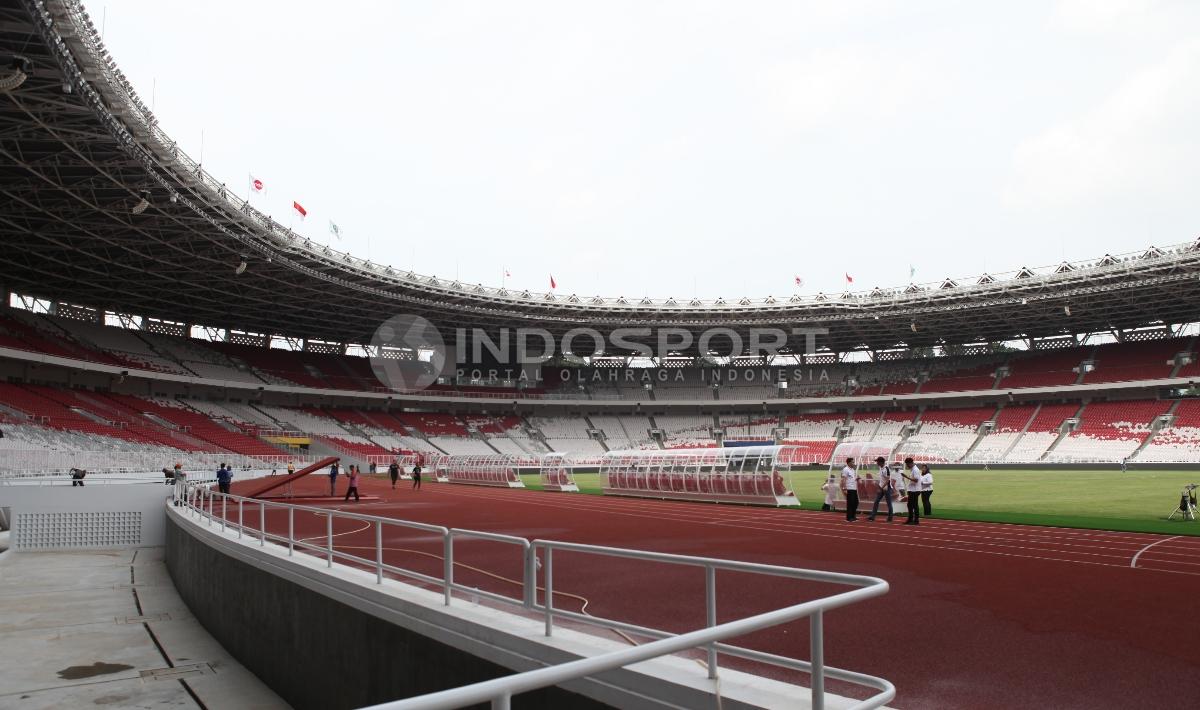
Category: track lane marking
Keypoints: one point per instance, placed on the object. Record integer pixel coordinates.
(1133, 562)
(955, 540)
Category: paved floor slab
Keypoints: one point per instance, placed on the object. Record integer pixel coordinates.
(107, 629)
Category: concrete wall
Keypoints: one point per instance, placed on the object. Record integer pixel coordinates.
(88, 517)
(316, 651)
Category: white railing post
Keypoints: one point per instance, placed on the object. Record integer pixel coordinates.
(502, 702)
(817, 643)
(240, 524)
(329, 539)
(224, 510)
(710, 614)
(262, 523)
(379, 552)
(530, 577)
(291, 530)
(549, 577)
(448, 565)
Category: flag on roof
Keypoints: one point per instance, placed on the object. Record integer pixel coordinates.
(912, 271)
(256, 185)
(300, 209)
(799, 281)
(553, 283)
(335, 230)
(507, 275)
(849, 278)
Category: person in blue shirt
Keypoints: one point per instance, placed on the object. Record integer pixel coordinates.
(224, 478)
(333, 474)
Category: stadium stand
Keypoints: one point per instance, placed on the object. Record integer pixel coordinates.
(567, 434)
(1118, 362)
(1047, 369)
(1042, 432)
(1010, 422)
(1108, 431)
(1180, 440)
(947, 435)
(685, 431)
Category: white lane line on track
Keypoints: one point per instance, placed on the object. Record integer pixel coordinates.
(796, 522)
(992, 530)
(811, 531)
(1133, 562)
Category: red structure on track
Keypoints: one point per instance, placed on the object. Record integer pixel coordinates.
(266, 485)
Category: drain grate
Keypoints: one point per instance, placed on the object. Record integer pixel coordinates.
(139, 619)
(190, 670)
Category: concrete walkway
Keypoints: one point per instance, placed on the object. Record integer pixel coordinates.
(106, 628)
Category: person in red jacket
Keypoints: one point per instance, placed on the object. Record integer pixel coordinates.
(353, 478)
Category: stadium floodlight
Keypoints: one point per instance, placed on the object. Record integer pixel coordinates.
(19, 70)
(241, 268)
(142, 204)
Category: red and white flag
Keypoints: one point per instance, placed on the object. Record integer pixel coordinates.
(553, 283)
(256, 185)
(299, 209)
(849, 278)
(799, 281)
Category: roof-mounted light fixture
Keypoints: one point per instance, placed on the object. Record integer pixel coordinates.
(143, 204)
(19, 69)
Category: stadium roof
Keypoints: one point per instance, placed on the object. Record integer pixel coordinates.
(79, 152)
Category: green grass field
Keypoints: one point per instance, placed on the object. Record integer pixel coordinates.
(1102, 499)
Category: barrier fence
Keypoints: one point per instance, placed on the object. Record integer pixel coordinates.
(247, 517)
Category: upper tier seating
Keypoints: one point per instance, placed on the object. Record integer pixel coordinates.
(1118, 362)
(235, 362)
(1045, 369)
(979, 378)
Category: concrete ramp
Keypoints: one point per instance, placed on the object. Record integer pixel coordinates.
(269, 484)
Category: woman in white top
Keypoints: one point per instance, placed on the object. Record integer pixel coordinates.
(926, 488)
(850, 489)
(829, 487)
(912, 475)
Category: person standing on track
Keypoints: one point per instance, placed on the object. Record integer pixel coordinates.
(829, 486)
(224, 478)
(352, 476)
(886, 487)
(850, 490)
(912, 475)
(926, 489)
(333, 474)
(394, 473)
(417, 476)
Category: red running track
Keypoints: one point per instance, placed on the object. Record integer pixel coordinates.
(979, 615)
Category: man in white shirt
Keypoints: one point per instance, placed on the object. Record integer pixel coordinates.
(850, 490)
(926, 489)
(912, 475)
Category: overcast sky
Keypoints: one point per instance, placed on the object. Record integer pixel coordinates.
(690, 148)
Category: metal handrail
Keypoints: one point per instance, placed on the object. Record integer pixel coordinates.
(203, 503)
